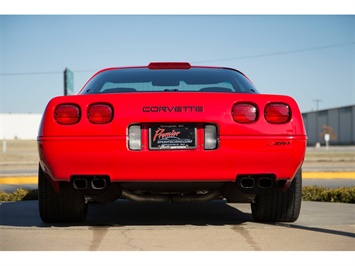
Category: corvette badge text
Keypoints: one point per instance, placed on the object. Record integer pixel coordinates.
(170, 109)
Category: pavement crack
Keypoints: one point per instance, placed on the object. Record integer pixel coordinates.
(129, 241)
(248, 237)
(98, 234)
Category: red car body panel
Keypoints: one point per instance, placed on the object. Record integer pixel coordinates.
(102, 149)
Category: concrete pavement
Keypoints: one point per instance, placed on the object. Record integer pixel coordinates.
(213, 226)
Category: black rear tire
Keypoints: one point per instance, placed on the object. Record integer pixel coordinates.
(274, 205)
(65, 206)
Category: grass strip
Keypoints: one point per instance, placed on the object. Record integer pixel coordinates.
(309, 193)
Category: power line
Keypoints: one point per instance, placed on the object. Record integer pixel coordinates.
(195, 62)
(278, 53)
(43, 73)
(30, 73)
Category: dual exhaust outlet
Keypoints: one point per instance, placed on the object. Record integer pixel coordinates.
(254, 184)
(249, 182)
(92, 183)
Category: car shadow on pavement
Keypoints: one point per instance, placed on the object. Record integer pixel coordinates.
(123, 213)
(319, 230)
(126, 213)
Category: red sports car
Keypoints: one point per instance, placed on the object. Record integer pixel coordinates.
(171, 132)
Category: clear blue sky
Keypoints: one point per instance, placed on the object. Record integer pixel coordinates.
(306, 57)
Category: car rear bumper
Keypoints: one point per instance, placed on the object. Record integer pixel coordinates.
(64, 157)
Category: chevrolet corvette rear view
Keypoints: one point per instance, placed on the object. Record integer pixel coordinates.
(171, 132)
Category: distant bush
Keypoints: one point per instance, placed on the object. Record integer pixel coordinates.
(315, 193)
(4, 196)
(19, 194)
(309, 193)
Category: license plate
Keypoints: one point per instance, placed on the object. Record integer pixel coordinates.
(169, 137)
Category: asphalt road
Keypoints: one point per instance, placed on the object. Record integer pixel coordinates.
(213, 226)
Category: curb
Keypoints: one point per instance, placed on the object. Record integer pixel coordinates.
(17, 180)
(328, 175)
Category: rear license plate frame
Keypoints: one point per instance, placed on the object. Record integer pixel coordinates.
(172, 137)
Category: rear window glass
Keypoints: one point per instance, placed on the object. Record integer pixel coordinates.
(190, 80)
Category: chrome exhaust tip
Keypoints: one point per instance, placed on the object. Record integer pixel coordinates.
(265, 182)
(98, 183)
(80, 183)
(247, 182)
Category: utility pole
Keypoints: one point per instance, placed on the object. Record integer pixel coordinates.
(317, 107)
(317, 103)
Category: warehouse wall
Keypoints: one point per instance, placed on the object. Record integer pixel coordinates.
(341, 120)
(19, 126)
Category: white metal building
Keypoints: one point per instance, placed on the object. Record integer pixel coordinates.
(19, 126)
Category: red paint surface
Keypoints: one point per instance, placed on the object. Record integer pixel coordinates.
(86, 148)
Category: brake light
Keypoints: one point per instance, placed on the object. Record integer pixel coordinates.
(67, 114)
(169, 65)
(244, 113)
(100, 113)
(277, 113)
